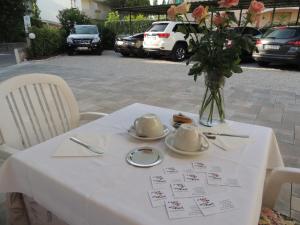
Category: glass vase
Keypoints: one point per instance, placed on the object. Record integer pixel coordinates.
(212, 112)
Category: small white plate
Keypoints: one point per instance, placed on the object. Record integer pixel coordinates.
(133, 134)
(170, 140)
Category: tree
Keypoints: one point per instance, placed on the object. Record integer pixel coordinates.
(155, 2)
(113, 16)
(137, 17)
(131, 3)
(11, 17)
(35, 14)
(126, 3)
(69, 17)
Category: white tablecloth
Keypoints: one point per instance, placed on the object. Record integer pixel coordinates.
(107, 191)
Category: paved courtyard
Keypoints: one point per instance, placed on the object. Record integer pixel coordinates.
(263, 96)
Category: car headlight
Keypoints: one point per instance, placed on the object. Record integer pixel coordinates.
(96, 39)
(69, 40)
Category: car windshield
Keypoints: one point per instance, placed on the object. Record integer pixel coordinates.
(282, 33)
(158, 27)
(85, 30)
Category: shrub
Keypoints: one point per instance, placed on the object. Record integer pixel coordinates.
(123, 27)
(108, 36)
(113, 16)
(49, 41)
(69, 17)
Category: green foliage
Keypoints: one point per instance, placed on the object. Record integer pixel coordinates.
(123, 27)
(130, 3)
(49, 41)
(11, 17)
(113, 16)
(69, 17)
(138, 17)
(126, 3)
(35, 18)
(108, 36)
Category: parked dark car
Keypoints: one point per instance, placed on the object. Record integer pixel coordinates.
(84, 38)
(130, 45)
(253, 33)
(280, 45)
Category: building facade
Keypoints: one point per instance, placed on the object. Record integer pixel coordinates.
(95, 9)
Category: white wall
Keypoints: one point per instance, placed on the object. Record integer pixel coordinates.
(49, 8)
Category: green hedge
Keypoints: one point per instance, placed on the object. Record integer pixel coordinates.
(49, 41)
(123, 27)
(110, 30)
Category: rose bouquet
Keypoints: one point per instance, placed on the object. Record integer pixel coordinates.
(216, 51)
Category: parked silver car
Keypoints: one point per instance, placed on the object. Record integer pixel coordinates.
(84, 38)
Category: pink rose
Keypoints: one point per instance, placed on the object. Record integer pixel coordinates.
(200, 13)
(172, 13)
(220, 19)
(256, 7)
(228, 3)
(183, 8)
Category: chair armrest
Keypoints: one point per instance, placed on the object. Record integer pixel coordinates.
(91, 115)
(274, 181)
(6, 151)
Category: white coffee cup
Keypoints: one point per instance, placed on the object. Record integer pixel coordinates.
(189, 138)
(148, 125)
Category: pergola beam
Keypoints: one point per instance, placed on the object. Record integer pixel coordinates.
(243, 4)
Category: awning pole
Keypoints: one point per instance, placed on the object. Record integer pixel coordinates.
(273, 14)
(297, 21)
(211, 19)
(130, 23)
(240, 19)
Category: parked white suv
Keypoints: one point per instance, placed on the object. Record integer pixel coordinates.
(168, 38)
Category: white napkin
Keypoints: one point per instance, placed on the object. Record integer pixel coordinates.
(226, 142)
(72, 149)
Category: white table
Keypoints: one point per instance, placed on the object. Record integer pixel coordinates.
(106, 190)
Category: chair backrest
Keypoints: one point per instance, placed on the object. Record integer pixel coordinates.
(35, 108)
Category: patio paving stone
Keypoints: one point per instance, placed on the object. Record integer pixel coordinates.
(270, 114)
(297, 133)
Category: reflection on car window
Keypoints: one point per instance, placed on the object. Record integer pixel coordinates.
(85, 30)
(192, 28)
(160, 27)
(180, 28)
(281, 33)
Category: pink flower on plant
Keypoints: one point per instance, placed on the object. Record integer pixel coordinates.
(200, 13)
(183, 8)
(228, 3)
(256, 7)
(172, 12)
(220, 19)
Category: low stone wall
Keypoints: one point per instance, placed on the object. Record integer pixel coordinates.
(20, 54)
(9, 47)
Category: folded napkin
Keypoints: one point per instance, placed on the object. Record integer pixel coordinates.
(226, 142)
(69, 148)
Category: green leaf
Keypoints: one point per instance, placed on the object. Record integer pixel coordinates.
(237, 69)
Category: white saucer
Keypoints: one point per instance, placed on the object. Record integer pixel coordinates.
(133, 134)
(170, 140)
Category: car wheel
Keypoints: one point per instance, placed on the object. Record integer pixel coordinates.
(179, 52)
(140, 53)
(125, 54)
(71, 52)
(263, 63)
(99, 51)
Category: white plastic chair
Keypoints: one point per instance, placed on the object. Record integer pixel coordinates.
(274, 182)
(35, 108)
